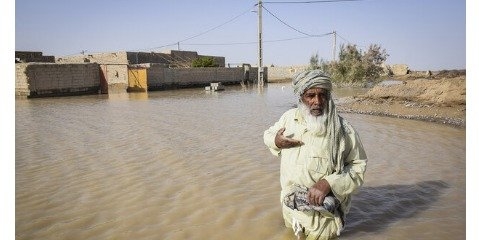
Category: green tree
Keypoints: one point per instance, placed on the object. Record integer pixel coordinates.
(354, 66)
(349, 68)
(372, 61)
(314, 62)
(204, 62)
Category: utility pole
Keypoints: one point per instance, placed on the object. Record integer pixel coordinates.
(334, 46)
(178, 46)
(260, 44)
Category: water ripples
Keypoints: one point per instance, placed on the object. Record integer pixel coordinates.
(187, 164)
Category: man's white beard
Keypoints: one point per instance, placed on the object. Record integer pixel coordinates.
(315, 124)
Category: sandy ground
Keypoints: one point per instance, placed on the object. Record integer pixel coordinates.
(439, 98)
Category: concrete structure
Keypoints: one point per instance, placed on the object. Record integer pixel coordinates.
(278, 74)
(114, 65)
(28, 56)
(100, 58)
(44, 79)
(160, 77)
(399, 69)
(115, 77)
(21, 80)
(48, 79)
(116, 72)
(215, 87)
(173, 59)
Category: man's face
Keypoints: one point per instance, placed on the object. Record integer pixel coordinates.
(316, 100)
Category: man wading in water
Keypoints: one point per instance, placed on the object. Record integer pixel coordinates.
(322, 160)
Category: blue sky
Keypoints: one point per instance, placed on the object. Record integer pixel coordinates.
(425, 34)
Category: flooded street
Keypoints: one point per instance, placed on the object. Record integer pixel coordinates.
(191, 164)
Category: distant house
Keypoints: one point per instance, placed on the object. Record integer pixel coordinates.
(116, 72)
(27, 56)
(171, 59)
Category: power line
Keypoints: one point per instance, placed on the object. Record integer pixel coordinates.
(350, 43)
(144, 49)
(306, 35)
(295, 29)
(246, 43)
(207, 31)
(219, 44)
(289, 39)
(343, 38)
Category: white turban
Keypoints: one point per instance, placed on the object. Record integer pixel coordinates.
(310, 78)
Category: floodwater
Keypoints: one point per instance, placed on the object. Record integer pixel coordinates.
(191, 164)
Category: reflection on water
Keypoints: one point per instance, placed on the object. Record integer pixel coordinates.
(375, 208)
(190, 164)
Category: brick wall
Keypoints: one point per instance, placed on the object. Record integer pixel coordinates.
(101, 58)
(78, 74)
(174, 58)
(113, 65)
(115, 73)
(284, 73)
(44, 79)
(146, 57)
(160, 77)
(21, 80)
(184, 55)
(26, 56)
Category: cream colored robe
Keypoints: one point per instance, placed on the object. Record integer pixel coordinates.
(309, 163)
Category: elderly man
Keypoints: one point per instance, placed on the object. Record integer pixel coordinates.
(322, 160)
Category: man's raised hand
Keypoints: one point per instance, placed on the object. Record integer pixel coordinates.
(285, 142)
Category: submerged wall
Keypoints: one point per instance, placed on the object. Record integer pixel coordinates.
(48, 79)
(45, 79)
(160, 77)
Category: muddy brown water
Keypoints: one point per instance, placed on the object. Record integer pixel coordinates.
(190, 164)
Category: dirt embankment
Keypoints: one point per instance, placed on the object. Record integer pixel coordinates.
(438, 98)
